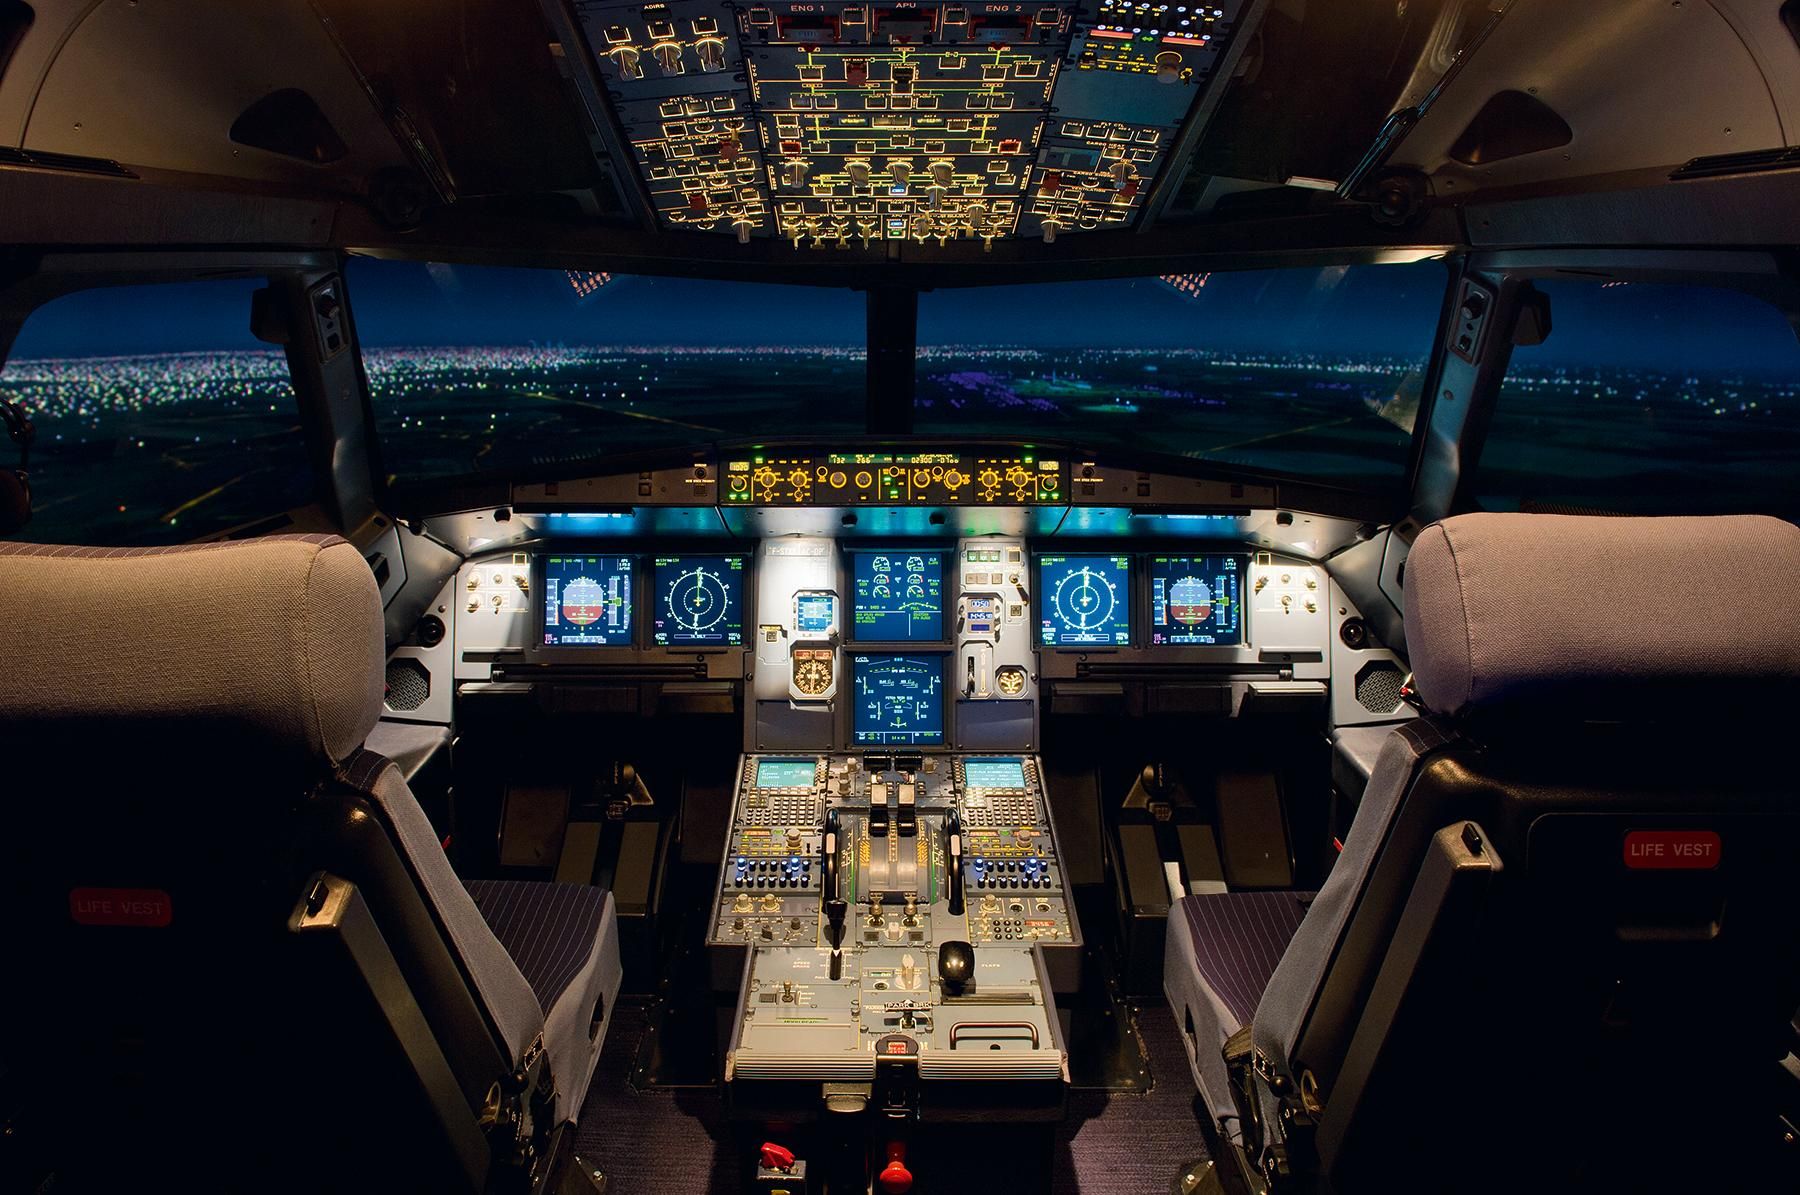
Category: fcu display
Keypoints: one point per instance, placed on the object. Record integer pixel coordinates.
(899, 597)
(1086, 601)
(1196, 600)
(699, 601)
(899, 701)
(587, 601)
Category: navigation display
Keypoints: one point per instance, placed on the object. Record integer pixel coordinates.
(898, 596)
(1196, 599)
(899, 701)
(784, 773)
(587, 601)
(699, 601)
(993, 773)
(1086, 600)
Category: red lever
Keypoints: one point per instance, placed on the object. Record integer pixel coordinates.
(895, 1178)
(775, 1157)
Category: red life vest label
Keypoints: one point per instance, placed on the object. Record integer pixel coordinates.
(1668, 850)
(144, 907)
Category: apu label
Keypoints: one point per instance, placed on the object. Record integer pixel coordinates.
(145, 907)
(1693, 850)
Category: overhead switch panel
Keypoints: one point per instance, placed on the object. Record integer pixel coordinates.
(851, 124)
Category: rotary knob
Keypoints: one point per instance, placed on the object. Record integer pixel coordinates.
(902, 171)
(859, 173)
(942, 172)
(668, 56)
(712, 54)
(628, 60)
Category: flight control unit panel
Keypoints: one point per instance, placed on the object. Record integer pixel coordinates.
(885, 909)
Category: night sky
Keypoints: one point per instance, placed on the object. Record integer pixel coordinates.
(1384, 309)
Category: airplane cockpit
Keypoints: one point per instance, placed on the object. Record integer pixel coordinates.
(854, 598)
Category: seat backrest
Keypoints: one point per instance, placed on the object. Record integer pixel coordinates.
(1566, 907)
(182, 732)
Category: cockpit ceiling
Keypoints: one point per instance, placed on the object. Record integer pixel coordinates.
(874, 125)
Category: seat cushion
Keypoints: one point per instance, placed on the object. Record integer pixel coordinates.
(1220, 952)
(565, 940)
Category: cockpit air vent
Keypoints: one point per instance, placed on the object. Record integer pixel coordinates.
(289, 122)
(46, 161)
(1751, 162)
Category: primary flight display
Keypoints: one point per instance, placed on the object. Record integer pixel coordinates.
(1196, 600)
(587, 601)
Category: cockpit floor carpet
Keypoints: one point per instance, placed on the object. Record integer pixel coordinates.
(678, 1142)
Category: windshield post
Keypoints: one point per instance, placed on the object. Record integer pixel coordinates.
(893, 338)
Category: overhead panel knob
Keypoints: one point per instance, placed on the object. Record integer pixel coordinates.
(901, 170)
(942, 172)
(628, 59)
(668, 56)
(859, 173)
(712, 54)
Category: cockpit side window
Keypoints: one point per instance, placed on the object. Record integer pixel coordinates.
(158, 417)
(1649, 399)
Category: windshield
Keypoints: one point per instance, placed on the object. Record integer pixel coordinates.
(475, 369)
(1313, 373)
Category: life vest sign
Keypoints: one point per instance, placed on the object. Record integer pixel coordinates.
(1673, 850)
(147, 908)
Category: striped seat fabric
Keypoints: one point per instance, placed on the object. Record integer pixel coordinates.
(550, 930)
(1238, 939)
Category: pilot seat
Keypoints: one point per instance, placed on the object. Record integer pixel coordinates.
(1561, 946)
(239, 957)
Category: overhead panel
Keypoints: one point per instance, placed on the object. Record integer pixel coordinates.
(838, 124)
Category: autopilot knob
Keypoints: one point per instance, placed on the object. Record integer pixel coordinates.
(956, 966)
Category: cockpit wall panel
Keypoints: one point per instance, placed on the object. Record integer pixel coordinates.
(161, 85)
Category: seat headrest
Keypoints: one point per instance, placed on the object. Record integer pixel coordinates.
(274, 642)
(1602, 619)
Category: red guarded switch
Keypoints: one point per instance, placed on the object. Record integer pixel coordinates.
(895, 1178)
(776, 1157)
